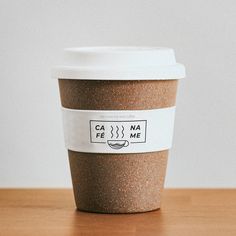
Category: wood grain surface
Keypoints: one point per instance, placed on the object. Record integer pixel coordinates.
(52, 212)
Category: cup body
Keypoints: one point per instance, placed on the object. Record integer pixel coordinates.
(117, 181)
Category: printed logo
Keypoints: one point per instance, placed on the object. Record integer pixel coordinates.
(118, 134)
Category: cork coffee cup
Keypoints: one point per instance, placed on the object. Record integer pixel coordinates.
(118, 107)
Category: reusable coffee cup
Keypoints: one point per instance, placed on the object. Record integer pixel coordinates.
(118, 108)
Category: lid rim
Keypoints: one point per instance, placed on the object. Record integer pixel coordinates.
(64, 73)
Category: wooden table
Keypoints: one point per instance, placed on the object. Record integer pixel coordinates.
(52, 212)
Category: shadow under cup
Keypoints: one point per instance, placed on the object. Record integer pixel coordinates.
(117, 183)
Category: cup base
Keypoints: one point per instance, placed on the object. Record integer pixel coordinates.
(119, 212)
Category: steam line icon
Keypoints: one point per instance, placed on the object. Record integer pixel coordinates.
(117, 129)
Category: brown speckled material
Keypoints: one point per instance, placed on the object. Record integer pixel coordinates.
(117, 183)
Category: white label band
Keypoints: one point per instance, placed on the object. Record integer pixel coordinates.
(120, 131)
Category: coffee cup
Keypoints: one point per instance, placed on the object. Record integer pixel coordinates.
(118, 108)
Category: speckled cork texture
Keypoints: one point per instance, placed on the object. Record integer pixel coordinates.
(117, 183)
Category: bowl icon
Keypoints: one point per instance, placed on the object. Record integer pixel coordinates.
(118, 144)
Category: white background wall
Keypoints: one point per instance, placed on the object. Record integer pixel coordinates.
(32, 36)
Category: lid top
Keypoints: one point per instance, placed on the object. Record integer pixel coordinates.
(119, 63)
(120, 56)
(118, 49)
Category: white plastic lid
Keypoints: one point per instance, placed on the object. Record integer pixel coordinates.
(119, 63)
